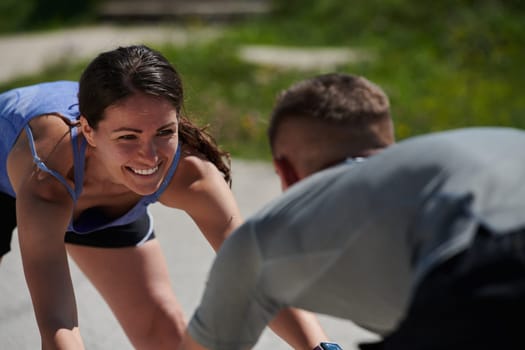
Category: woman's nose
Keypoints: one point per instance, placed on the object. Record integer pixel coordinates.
(149, 152)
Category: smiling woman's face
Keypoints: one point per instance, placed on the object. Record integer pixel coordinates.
(136, 141)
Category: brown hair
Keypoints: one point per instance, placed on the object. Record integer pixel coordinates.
(335, 98)
(117, 74)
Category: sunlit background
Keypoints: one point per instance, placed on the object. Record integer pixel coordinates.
(444, 64)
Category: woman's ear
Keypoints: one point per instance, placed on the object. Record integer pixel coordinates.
(286, 171)
(87, 131)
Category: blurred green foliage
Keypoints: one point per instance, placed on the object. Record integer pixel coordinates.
(13, 13)
(444, 64)
(25, 15)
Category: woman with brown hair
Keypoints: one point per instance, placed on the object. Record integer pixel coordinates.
(84, 160)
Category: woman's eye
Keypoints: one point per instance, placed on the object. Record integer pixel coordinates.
(127, 137)
(166, 132)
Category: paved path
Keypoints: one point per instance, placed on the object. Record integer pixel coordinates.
(29, 53)
(188, 255)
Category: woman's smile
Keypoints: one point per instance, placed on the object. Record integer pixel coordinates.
(149, 171)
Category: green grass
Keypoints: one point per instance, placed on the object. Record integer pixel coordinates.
(445, 64)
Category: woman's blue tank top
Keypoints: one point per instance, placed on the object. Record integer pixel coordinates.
(19, 106)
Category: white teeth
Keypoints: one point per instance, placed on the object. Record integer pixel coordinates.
(145, 171)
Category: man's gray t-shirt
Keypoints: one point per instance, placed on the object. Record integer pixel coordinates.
(353, 241)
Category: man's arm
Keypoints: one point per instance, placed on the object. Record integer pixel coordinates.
(308, 331)
(235, 309)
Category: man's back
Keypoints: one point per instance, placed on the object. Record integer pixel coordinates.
(384, 223)
(393, 217)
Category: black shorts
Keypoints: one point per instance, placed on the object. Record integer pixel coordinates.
(8, 210)
(129, 235)
(475, 300)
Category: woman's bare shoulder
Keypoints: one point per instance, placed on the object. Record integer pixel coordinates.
(52, 142)
(194, 173)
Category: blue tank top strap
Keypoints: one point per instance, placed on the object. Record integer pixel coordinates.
(152, 198)
(79, 151)
(78, 154)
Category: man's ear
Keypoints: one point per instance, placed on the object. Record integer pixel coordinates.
(87, 131)
(286, 171)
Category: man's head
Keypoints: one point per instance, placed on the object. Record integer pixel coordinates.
(321, 121)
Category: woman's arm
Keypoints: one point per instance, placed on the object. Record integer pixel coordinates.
(44, 209)
(301, 329)
(188, 343)
(41, 236)
(211, 204)
(199, 189)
